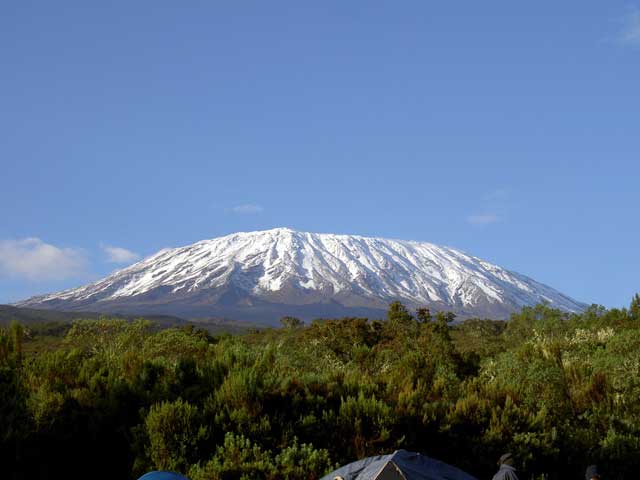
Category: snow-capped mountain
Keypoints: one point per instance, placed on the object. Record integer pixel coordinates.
(261, 276)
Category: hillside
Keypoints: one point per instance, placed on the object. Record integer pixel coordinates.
(32, 316)
(262, 276)
(118, 398)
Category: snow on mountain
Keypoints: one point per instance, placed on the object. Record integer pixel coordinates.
(262, 275)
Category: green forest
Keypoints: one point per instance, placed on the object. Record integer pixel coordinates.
(114, 398)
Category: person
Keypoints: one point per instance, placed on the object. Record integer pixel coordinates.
(592, 473)
(507, 471)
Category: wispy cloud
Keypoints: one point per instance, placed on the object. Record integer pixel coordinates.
(247, 209)
(497, 195)
(119, 254)
(630, 33)
(492, 208)
(34, 260)
(483, 219)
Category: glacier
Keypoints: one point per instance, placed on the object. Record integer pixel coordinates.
(265, 274)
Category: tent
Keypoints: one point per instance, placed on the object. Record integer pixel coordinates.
(400, 465)
(162, 476)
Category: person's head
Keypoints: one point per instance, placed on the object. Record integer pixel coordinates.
(592, 473)
(506, 459)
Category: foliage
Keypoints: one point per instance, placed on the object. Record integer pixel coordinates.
(119, 398)
(291, 322)
(174, 434)
(239, 458)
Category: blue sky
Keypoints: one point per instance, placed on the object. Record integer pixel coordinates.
(510, 130)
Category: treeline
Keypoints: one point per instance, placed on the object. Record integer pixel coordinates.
(114, 399)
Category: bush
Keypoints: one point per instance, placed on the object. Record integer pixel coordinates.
(174, 434)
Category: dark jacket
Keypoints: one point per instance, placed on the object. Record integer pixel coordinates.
(506, 472)
(592, 472)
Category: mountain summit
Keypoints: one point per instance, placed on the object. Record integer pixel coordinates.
(261, 276)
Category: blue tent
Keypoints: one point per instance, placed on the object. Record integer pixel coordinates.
(400, 465)
(162, 476)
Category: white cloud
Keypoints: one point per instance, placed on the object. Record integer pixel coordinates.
(630, 34)
(119, 254)
(483, 219)
(35, 260)
(247, 209)
(498, 195)
(492, 208)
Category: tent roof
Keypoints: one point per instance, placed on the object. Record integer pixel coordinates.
(400, 465)
(162, 476)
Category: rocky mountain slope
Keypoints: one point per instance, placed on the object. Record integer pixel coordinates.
(260, 276)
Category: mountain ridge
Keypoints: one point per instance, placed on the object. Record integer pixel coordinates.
(282, 271)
